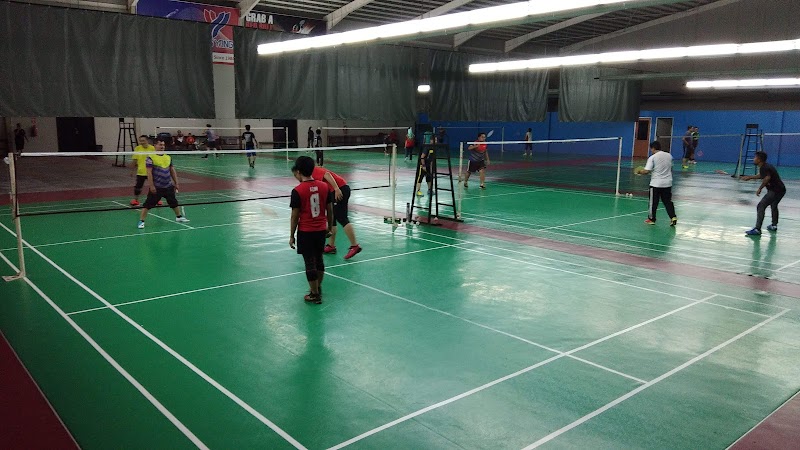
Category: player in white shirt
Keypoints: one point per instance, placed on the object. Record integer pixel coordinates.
(659, 165)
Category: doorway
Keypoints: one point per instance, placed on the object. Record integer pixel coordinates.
(664, 133)
(279, 136)
(641, 141)
(76, 134)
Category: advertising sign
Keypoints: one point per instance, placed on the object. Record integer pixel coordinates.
(286, 24)
(220, 17)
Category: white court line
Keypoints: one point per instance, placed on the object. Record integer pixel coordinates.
(463, 319)
(519, 224)
(209, 288)
(559, 261)
(78, 241)
(507, 377)
(151, 213)
(462, 247)
(788, 265)
(764, 419)
(630, 394)
(166, 348)
(528, 191)
(135, 383)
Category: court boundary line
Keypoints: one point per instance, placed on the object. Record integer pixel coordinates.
(653, 382)
(507, 377)
(787, 266)
(465, 242)
(487, 327)
(113, 362)
(146, 233)
(760, 422)
(255, 280)
(519, 224)
(274, 427)
(159, 217)
(462, 247)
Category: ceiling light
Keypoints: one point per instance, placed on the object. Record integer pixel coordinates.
(740, 84)
(430, 25)
(697, 51)
(424, 88)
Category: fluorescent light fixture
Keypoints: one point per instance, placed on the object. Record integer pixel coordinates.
(424, 88)
(697, 51)
(743, 84)
(431, 25)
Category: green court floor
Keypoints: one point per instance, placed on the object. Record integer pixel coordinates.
(550, 317)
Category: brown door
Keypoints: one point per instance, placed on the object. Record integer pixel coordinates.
(641, 143)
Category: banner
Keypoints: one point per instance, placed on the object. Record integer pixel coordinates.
(286, 24)
(222, 18)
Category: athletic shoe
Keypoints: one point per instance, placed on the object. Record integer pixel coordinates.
(5, 160)
(685, 167)
(650, 222)
(329, 250)
(181, 219)
(753, 232)
(141, 224)
(466, 185)
(134, 202)
(483, 186)
(693, 162)
(313, 298)
(772, 227)
(159, 203)
(429, 192)
(354, 250)
(673, 221)
(420, 194)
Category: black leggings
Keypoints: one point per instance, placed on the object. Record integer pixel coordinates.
(320, 158)
(140, 179)
(664, 195)
(771, 199)
(340, 207)
(314, 265)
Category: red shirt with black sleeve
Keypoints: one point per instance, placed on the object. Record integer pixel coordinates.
(312, 198)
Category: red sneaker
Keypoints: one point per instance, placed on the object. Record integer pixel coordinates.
(329, 250)
(354, 250)
(650, 222)
(159, 203)
(134, 202)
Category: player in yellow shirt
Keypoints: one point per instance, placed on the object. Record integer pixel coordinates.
(139, 167)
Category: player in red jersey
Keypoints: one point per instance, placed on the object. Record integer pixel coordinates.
(341, 191)
(312, 220)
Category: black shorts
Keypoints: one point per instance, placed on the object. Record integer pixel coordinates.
(475, 166)
(166, 193)
(311, 242)
(425, 172)
(340, 207)
(140, 179)
(211, 144)
(688, 152)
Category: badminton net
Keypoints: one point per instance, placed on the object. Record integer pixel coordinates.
(56, 183)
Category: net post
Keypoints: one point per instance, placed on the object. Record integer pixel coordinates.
(619, 164)
(286, 135)
(503, 139)
(393, 182)
(460, 180)
(12, 170)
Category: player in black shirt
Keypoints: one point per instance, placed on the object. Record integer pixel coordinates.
(775, 191)
(250, 143)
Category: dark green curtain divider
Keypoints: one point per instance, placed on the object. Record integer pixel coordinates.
(364, 82)
(71, 62)
(508, 97)
(584, 98)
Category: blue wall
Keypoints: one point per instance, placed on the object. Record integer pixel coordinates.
(784, 150)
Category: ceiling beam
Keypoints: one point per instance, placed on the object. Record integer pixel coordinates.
(714, 75)
(517, 41)
(245, 6)
(643, 26)
(461, 38)
(446, 8)
(335, 17)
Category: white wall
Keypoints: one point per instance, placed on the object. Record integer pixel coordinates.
(46, 139)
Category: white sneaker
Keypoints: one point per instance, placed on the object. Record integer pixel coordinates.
(181, 219)
(141, 225)
(5, 160)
